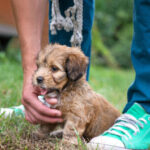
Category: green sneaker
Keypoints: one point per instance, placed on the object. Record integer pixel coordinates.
(130, 131)
(17, 110)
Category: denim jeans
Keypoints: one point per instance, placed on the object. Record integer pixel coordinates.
(139, 91)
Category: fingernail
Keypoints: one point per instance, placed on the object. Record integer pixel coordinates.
(58, 113)
(53, 101)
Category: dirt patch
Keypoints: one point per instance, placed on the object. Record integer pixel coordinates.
(17, 134)
(26, 141)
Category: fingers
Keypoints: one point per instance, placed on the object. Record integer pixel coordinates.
(36, 112)
(52, 101)
(40, 108)
(34, 117)
(30, 118)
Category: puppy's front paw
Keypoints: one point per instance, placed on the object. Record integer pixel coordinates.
(57, 134)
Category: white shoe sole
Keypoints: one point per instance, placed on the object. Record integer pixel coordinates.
(94, 146)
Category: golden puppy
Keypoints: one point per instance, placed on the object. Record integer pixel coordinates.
(62, 71)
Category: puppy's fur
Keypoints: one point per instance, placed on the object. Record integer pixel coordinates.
(63, 71)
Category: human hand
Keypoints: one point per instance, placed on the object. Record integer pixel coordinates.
(35, 111)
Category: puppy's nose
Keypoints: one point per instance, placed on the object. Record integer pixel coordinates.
(39, 79)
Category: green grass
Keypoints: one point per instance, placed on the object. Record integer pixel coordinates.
(10, 84)
(112, 83)
(15, 133)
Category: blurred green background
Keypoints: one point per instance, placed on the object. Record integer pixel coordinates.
(111, 35)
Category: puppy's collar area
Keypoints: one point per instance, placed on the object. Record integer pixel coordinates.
(52, 94)
(42, 100)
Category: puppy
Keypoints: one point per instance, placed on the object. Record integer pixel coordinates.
(61, 71)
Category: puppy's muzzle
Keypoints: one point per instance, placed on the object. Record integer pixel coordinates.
(40, 79)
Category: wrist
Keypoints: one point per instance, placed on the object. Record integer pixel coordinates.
(28, 71)
(29, 60)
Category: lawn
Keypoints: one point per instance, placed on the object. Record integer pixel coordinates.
(15, 133)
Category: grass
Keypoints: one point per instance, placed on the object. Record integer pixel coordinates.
(10, 84)
(112, 83)
(15, 132)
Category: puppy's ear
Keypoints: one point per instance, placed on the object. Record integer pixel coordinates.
(76, 65)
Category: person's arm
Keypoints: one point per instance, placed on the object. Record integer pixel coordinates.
(29, 16)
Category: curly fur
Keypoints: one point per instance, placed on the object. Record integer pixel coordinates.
(63, 70)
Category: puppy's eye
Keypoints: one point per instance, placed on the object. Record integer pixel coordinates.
(54, 69)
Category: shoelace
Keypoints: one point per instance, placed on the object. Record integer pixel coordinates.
(127, 121)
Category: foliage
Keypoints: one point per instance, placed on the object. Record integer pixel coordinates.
(114, 21)
(13, 50)
(111, 36)
(102, 55)
(3, 57)
(121, 49)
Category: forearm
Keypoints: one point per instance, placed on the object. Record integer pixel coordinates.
(29, 15)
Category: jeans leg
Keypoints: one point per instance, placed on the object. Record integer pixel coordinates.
(63, 37)
(139, 91)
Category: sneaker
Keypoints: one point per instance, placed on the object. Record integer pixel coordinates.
(130, 131)
(17, 110)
